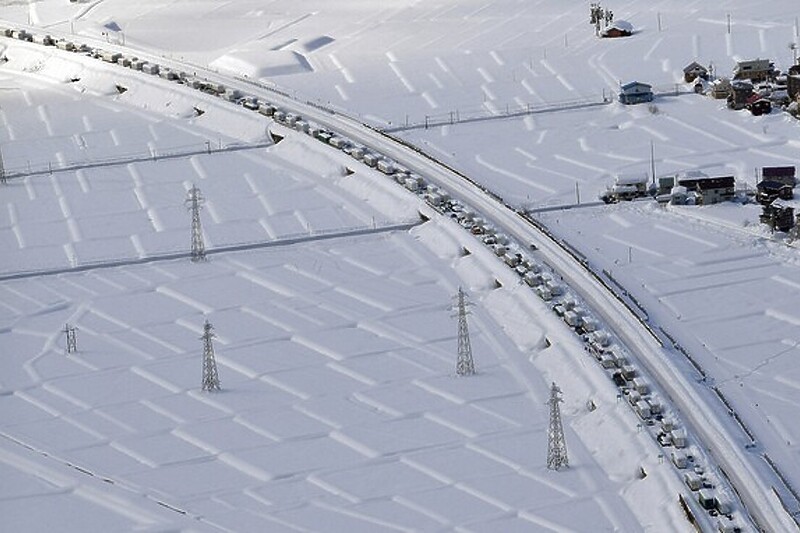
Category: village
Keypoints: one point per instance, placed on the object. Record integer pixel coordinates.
(755, 85)
(774, 191)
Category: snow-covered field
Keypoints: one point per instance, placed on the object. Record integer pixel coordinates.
(340, 410)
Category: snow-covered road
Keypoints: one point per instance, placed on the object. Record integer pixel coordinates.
(747, 472)
(751, 476)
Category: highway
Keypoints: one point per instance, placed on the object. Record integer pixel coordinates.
(707, 418)
(750, 475)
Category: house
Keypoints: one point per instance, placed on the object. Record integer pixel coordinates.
(694, 70)
(778, 216)
(635, 93)
(793, 86)
(769, 190)
(741, 91)
(776, 183)
(678, 196)
(711, 190)
(793, 82)
(619, 28)
(758, 105)
(626, 187)
(720, 88)
(754, 70)
(784, 175)
(665, 184)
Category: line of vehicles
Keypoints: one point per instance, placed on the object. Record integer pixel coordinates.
(598, 342)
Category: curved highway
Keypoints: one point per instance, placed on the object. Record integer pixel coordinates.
(748, 474)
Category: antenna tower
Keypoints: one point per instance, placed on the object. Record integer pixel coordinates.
(210, 375)
(556, 446)
(465, 366)
(72, 340)
(194, 202)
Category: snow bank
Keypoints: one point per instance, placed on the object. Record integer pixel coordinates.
(387, 198)
(297, 149)
(253, 61)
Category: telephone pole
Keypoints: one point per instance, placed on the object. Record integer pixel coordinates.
(194, 202)
(556, 445)
(3, 178)
(210, 375)
(465, 366)
(652, 162)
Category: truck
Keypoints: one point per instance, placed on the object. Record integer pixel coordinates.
(266, 109)
(678, 437)
(386, 166)
(110, 57)
(69, 46)
(150, 68)
(642, 409)
(371, 159)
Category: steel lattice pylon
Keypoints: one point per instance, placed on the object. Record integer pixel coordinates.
(72, 338)
(210, 375)
(556, 445)
(194, 202)
(465, 366)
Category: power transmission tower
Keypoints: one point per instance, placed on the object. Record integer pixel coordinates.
(72, 340)
(556, 446)
(194, 202)
(465, 366)
(210, 375)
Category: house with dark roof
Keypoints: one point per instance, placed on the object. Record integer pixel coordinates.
(778, 216)
(758, 105)
(741, 91)
(769, 190)
(776, 183)
(793, 82)
(783, 174)
(636, 92)
(710, 189)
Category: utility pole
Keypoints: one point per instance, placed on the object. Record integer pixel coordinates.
(556, 446)
(3, 179)
(210, 375)
(194, 202)
(652, 162)
(72, 340)
(465, 366)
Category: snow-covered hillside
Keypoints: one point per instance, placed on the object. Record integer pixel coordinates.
(331, 298)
